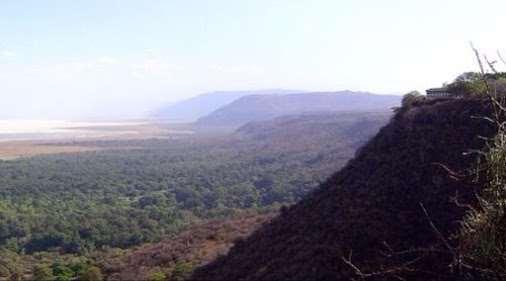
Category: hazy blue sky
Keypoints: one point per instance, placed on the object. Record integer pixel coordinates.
(98, 57)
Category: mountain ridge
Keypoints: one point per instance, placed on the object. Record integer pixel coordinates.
(189, 110)
(258, 108)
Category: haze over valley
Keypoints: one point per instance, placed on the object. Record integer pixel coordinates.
(252, 140)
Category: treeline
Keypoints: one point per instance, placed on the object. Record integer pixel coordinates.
(46, 267)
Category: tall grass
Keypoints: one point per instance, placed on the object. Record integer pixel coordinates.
(483, 232)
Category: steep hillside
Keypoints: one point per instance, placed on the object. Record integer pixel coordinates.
(191, 109)
(370, 211)
(265, 107)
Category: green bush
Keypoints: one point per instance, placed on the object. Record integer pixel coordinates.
(92, 273)
(411, 98)
(157, 276)
(468, 88)
(182, 271)
(43, 273)
(62, 272)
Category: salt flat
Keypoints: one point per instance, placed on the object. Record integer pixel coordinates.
(24, 138)
(59, 129)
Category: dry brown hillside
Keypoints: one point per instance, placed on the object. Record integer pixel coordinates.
(196, 246)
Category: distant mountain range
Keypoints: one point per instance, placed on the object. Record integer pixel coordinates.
(264, 107)
(192, 109)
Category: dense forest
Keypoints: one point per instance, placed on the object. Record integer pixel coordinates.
(77, 203)
(122, 198)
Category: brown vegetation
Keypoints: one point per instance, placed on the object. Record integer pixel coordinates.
(15, 149)
(196, 246)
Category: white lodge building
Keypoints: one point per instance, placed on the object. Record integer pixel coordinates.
(439, 93)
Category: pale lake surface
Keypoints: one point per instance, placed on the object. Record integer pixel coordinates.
(11, 130)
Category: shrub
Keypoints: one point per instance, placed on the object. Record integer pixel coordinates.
(410, 98)
(157, 276)
(62, 272)
(468, 88)
(181, 271)
(92, 273)
(43, 273)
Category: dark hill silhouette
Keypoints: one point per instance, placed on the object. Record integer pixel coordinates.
(265, 107)
(193, 108)
(372, 202)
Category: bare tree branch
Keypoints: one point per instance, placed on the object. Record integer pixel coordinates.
(501, 57)
(478, 58)
(439, 234)
(491, 64)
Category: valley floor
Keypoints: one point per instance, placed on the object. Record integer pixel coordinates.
(157, 197)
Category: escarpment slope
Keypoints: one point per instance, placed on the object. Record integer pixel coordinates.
(372, 207)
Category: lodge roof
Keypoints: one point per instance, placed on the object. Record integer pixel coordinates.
(437, 90)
